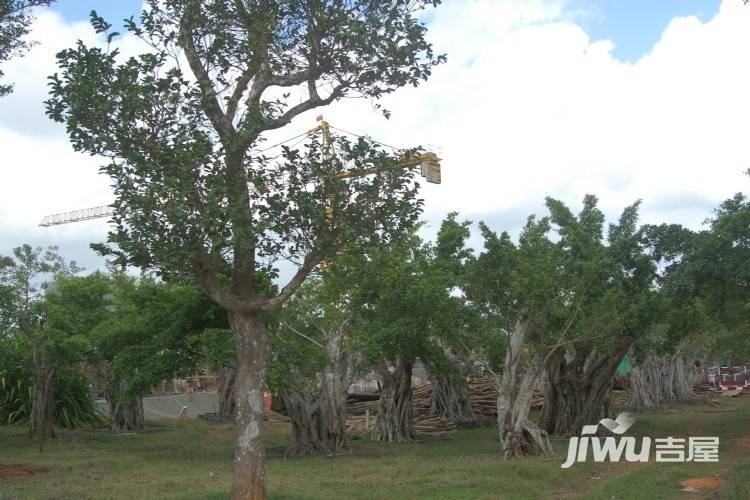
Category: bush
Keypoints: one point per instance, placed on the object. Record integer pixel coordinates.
(74, 406)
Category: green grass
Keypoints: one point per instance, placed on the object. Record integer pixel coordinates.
(192, 460)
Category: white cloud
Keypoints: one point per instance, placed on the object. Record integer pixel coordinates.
(41, 174)
(527, 106)
(542, 110)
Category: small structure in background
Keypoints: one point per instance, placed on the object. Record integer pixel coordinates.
(204, 381)
(730, 378)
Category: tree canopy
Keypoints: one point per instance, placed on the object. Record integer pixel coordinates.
(15, 24)
(193, 192)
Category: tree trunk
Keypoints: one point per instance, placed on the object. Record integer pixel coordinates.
(319, 422)
(688, 371)
(395, 422)
(641, 389)
(41, 423)
(226, 393)
(515, 388)
(307, 425)
(661, 379)
(450, 395)
(577, 388)
(125, 411)
(335, 382)
(124, 417)
(251, 340)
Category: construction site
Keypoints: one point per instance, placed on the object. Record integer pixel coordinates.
(477, 249)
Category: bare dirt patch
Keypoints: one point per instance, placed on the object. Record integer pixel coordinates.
(16, 470)
(743, 443)
(704, 483)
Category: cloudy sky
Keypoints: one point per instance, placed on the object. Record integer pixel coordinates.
(626, 99)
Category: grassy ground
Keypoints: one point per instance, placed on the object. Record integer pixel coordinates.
(192, 460)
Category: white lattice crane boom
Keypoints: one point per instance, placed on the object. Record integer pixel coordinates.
(429, 164)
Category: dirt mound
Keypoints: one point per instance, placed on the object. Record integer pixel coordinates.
(704, 483)
(15, 470)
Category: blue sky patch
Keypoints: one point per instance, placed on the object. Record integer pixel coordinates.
(634, 26)
(113, 11)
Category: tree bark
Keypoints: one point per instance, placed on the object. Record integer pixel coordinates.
(515, 387)
(450, 395)
(335, 382)
(662, 379)
(319, 422)
(41, 423)
(226, 393)
(126, 417)
(303, 409)
(125, 411)
(687, 373)
(395, 422)
(251, 340)
(578, 386)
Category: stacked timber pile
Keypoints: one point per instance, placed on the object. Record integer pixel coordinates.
(537, 400)
(424, 423)
(483, 397)
(361, 415)
(360, 408)
(421, 399)
(272, 416)
(703, 388)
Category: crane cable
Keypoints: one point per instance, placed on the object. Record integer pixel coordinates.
(366, 137)
(304, 134)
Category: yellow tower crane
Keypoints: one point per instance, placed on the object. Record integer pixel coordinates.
(428, 161)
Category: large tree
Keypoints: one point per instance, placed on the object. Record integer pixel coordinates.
(612, 282)
(15, 23)
(183, 139)
(448, 366)
(145, 338)
(522, 297)
(666, 361)
(405, 309)
(24, 279)
(569, 306)
(315, 360)
(707, 276)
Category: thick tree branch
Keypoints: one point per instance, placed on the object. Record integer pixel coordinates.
(234, 100)
(206, 275)
(312, 103)
(294, 79)
(294, 330)
(209, 102)
(312, 260)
